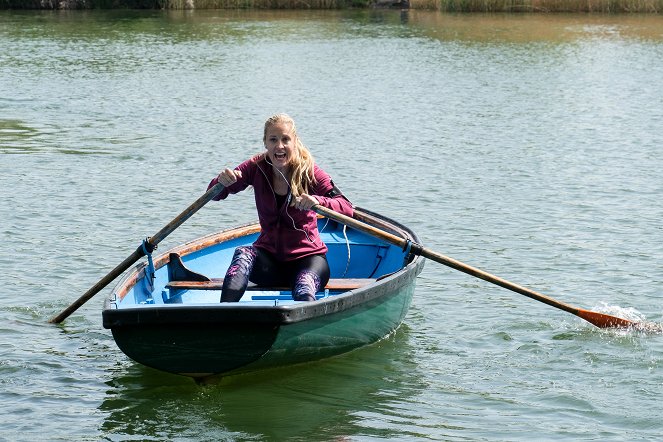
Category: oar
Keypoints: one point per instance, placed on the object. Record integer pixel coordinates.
(150, 244)
(600, 320)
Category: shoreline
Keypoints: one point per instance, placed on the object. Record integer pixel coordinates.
(450, 6)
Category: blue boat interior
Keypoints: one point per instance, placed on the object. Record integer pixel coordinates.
(352, 255)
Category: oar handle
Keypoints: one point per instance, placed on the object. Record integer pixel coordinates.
(598, 319)
(186, 214)
(361, 226)
(140, 252)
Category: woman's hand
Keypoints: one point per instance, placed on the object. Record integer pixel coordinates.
(228, 176)
(304, 202)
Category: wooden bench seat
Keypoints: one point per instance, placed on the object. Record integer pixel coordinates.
(340, 284)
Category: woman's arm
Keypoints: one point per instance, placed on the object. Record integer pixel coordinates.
(326, 194)
(234, 180)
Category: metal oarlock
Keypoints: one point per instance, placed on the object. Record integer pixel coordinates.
(148, 248)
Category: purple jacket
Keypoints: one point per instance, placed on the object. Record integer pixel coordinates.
(279, 235)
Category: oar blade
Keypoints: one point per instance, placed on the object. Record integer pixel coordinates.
(603, 320)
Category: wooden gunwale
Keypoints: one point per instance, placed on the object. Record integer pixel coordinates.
(133, 276)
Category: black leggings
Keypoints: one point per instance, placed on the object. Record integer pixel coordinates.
(306, 276)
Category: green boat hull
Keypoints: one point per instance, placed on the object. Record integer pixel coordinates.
(210, 346)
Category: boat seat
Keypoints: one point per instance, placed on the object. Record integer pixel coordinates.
(339, 284)
(182, 278)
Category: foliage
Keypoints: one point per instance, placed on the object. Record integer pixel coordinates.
(589, 6)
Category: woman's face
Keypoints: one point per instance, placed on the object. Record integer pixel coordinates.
(280, 145)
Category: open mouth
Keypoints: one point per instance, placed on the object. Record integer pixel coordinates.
(280, 156)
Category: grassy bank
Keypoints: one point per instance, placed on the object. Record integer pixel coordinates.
(546, 6)
(594, 6)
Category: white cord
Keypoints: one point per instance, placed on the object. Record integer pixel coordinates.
(347, 243)
(287, 203)
(345, 227)
(325, 226)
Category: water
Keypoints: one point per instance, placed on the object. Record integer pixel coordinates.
(528, 146)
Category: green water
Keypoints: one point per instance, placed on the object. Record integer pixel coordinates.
(526, 145)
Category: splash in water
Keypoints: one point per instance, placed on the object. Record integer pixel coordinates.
(630, 314)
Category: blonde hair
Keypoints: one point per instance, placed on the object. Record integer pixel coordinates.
(302, 164)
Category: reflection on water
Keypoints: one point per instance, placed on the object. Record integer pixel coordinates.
(15, 136)
(182, 27)
(326, 400)
(533, 28)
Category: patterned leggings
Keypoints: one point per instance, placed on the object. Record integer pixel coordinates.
(306, 276)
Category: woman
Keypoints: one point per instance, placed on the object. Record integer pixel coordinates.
(287, 184)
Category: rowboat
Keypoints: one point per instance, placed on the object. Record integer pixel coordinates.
(165, 313)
